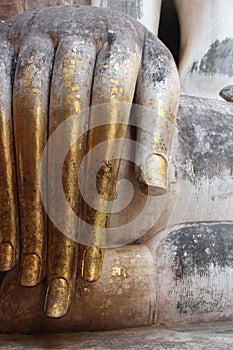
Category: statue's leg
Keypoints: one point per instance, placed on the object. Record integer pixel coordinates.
(9, 233)
(70, 92)
(30, 106)
(206, 46)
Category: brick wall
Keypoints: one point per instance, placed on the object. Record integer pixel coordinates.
(9, 8)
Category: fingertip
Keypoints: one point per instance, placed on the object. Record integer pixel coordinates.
(30, 274)
(91, 263)
(6, 256)
(153, 179)
(57, 298)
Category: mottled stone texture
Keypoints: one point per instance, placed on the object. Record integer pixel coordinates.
(124, 296)
(194, 269)
(205, 135)
(10, 8)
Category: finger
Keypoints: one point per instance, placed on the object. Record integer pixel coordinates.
(114, 84)
(157, 90)
(9, 230)
(30, 106)
(70, 92)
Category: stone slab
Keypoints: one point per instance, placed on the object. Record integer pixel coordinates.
(214, 336)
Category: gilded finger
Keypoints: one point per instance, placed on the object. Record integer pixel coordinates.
(114, 83)
(30, 108)
(70, 93)
(9, 230)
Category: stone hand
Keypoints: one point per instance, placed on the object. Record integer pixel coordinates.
(55, 63)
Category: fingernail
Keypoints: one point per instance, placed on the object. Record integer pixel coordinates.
(30, 270)
(156, 174)
(6, 256)
(57, 298)
(92, 264)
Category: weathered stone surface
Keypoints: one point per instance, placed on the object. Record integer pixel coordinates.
(200, 181)
(205, 134)
(35, 4)
(212, 336)
(200, 166)
(124, 296)
(146, 11)
(205, 62)
(189, 281)
(82, 2)
(194, 268)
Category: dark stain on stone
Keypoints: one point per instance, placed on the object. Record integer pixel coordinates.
(132, 8)
(200, 245)
(194, 67)
(111, 40)
(225, 331)
(218, 59)
(196, 248)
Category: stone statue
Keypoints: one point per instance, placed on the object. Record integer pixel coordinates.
(102, 65)
(64, 60)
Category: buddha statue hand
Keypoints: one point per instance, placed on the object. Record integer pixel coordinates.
(59, 64)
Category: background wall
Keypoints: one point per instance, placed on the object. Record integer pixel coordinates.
(9, 8)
